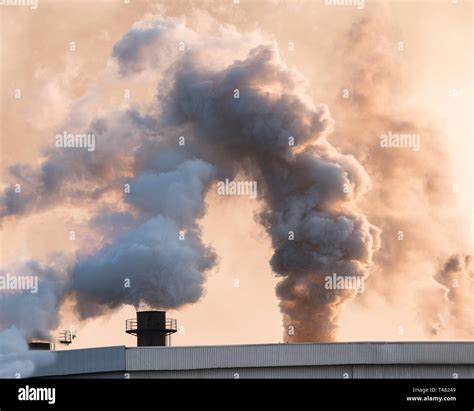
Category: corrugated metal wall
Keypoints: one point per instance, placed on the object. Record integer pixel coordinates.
(90, 360)
(277, 355)
(338, 371)
(342, 360)
(325, 371)
(414, 371)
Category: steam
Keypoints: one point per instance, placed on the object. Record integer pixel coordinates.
(273, 132)
(411, 191)
(34, 312)
(457, 279)
(309, 189)
(15, 359)
(227, 103)
(26, 316)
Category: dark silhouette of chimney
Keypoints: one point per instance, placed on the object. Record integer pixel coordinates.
(152, 328)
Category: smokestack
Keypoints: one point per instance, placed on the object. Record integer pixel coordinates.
(152, 328)
(250, 113)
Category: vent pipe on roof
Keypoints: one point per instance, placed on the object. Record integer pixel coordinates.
(40, 345)
(152, 328)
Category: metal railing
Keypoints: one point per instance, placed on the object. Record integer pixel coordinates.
(131, 325)
(171, 324)
(65, 337)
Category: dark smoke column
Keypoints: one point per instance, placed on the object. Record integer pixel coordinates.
(241, 109)
(315, 232)
(275, 134)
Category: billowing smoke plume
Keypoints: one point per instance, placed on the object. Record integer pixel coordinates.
(31, 310)
(15, 359)
(413, 188)
(226, 103)
(457, 279)
(308, 193)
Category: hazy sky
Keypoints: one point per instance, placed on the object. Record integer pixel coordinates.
(239, 304)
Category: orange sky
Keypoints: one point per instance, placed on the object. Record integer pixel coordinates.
(35, 57)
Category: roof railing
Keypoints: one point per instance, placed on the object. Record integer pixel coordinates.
(131, 326)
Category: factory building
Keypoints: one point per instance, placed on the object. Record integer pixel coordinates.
(152, 358)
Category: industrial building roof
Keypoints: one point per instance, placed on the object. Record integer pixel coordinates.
(125, 359)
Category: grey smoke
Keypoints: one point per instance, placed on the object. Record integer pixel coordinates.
(310, 192)
(163, 270)
(15, 359)
(177, 194)
(371, 70)
(457, 279)
(35, 314)
(74, 176)
(25, 316)
(309, 189)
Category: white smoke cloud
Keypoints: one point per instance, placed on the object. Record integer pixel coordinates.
(411, 190)
(34, 313)
(308, 188)
(15, 359)
(457, 279)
